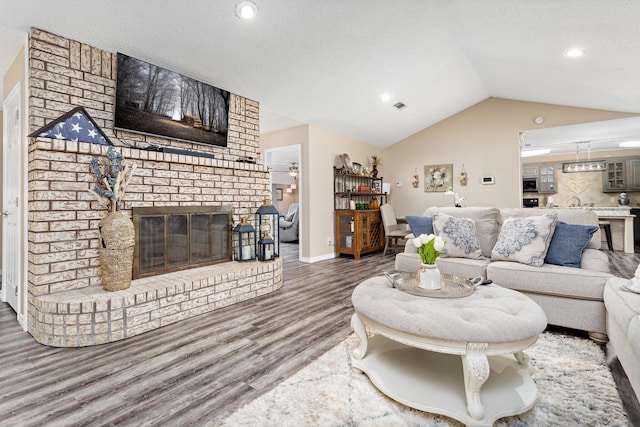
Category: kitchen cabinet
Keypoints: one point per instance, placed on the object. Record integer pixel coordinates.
(633, 175)
(547, 179)
(530, 171)
(621, 175)
(545, 174)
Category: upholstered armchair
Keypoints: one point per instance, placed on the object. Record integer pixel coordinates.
(289, 224)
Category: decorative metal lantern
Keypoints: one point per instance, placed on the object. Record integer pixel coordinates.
(267, 231)
(266, 246)
(243, 241)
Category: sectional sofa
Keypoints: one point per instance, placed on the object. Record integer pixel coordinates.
(571, 296)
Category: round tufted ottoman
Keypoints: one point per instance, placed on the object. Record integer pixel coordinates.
(411, 354)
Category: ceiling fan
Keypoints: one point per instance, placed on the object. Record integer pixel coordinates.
(293, 170)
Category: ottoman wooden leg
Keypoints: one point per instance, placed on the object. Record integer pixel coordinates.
(522, 358)
(476, 372)
(361, 333)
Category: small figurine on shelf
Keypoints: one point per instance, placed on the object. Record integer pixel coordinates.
(375, 162)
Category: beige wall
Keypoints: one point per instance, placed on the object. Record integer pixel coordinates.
(325, 146)
(1, 186)
(298, 135)
(484, 138)
(15, 73)
(320, 148)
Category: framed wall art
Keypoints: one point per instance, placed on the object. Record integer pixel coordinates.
(437, 178)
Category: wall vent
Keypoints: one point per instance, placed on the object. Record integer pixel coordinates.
(400, 105)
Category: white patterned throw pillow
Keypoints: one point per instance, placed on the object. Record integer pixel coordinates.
(525, 240)
(459, 234)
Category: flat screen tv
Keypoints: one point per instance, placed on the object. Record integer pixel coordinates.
(155, 101)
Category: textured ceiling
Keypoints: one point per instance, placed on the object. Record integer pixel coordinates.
(327, 62)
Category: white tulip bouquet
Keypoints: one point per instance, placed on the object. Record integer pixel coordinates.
(430, 247)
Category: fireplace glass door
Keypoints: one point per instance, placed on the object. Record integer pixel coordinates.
(176, 238)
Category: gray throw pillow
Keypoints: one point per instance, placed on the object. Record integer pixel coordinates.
(525, 240)
(459, 234)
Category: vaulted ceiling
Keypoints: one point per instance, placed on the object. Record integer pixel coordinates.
(328, 62)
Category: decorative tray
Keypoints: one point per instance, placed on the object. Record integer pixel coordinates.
(451, 286)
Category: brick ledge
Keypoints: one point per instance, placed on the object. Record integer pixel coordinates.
(91, 316)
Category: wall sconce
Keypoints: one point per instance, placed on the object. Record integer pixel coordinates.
(463, 176)
(415, 179)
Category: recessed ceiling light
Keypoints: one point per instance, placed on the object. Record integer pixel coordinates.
(629, 144)
(246, 9)
(574, 53)
(539, 152)
(385, 97)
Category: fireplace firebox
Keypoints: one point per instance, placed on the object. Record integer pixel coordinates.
(173, 238)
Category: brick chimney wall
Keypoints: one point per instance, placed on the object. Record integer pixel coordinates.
(63, 216)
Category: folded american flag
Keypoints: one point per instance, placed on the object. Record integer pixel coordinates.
(76, 125)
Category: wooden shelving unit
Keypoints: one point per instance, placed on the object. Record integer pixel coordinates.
(357, 231)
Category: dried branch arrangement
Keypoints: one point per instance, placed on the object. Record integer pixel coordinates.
(112, 174)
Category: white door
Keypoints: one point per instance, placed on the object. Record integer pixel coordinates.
(11, 202)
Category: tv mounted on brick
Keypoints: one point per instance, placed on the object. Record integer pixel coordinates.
(156, 101)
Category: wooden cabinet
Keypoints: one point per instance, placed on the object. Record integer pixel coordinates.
(621, 175)
(358, 232)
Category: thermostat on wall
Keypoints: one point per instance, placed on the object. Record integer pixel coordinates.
(487, 180)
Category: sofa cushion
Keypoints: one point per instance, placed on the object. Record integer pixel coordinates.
(459, 234)
(463, 267)
(485, 218)
(420, 225)
(569, 215)
(623, 306)
(595, 260)
(568, 243)
(574, 283)
(525, 240)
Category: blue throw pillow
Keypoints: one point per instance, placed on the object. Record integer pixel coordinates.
(420, 225)
(568, 243)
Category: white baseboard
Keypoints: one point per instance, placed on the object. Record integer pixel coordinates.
(317, 258)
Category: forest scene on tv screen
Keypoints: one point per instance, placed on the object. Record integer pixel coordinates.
(156, 101)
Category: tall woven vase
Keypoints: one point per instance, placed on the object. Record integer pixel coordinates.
(117, 239)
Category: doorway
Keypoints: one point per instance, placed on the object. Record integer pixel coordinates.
(286, 183)
(12, 254)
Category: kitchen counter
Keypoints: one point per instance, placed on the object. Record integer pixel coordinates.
(616, 214)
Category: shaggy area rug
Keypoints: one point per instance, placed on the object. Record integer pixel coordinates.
(575, 388)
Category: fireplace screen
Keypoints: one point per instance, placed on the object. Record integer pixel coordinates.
(172, 238)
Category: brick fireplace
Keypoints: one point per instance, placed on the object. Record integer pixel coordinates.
(67, 306)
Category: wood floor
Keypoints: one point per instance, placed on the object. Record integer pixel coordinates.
(200, 370)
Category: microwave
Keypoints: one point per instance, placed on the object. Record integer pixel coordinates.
(530, 185)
